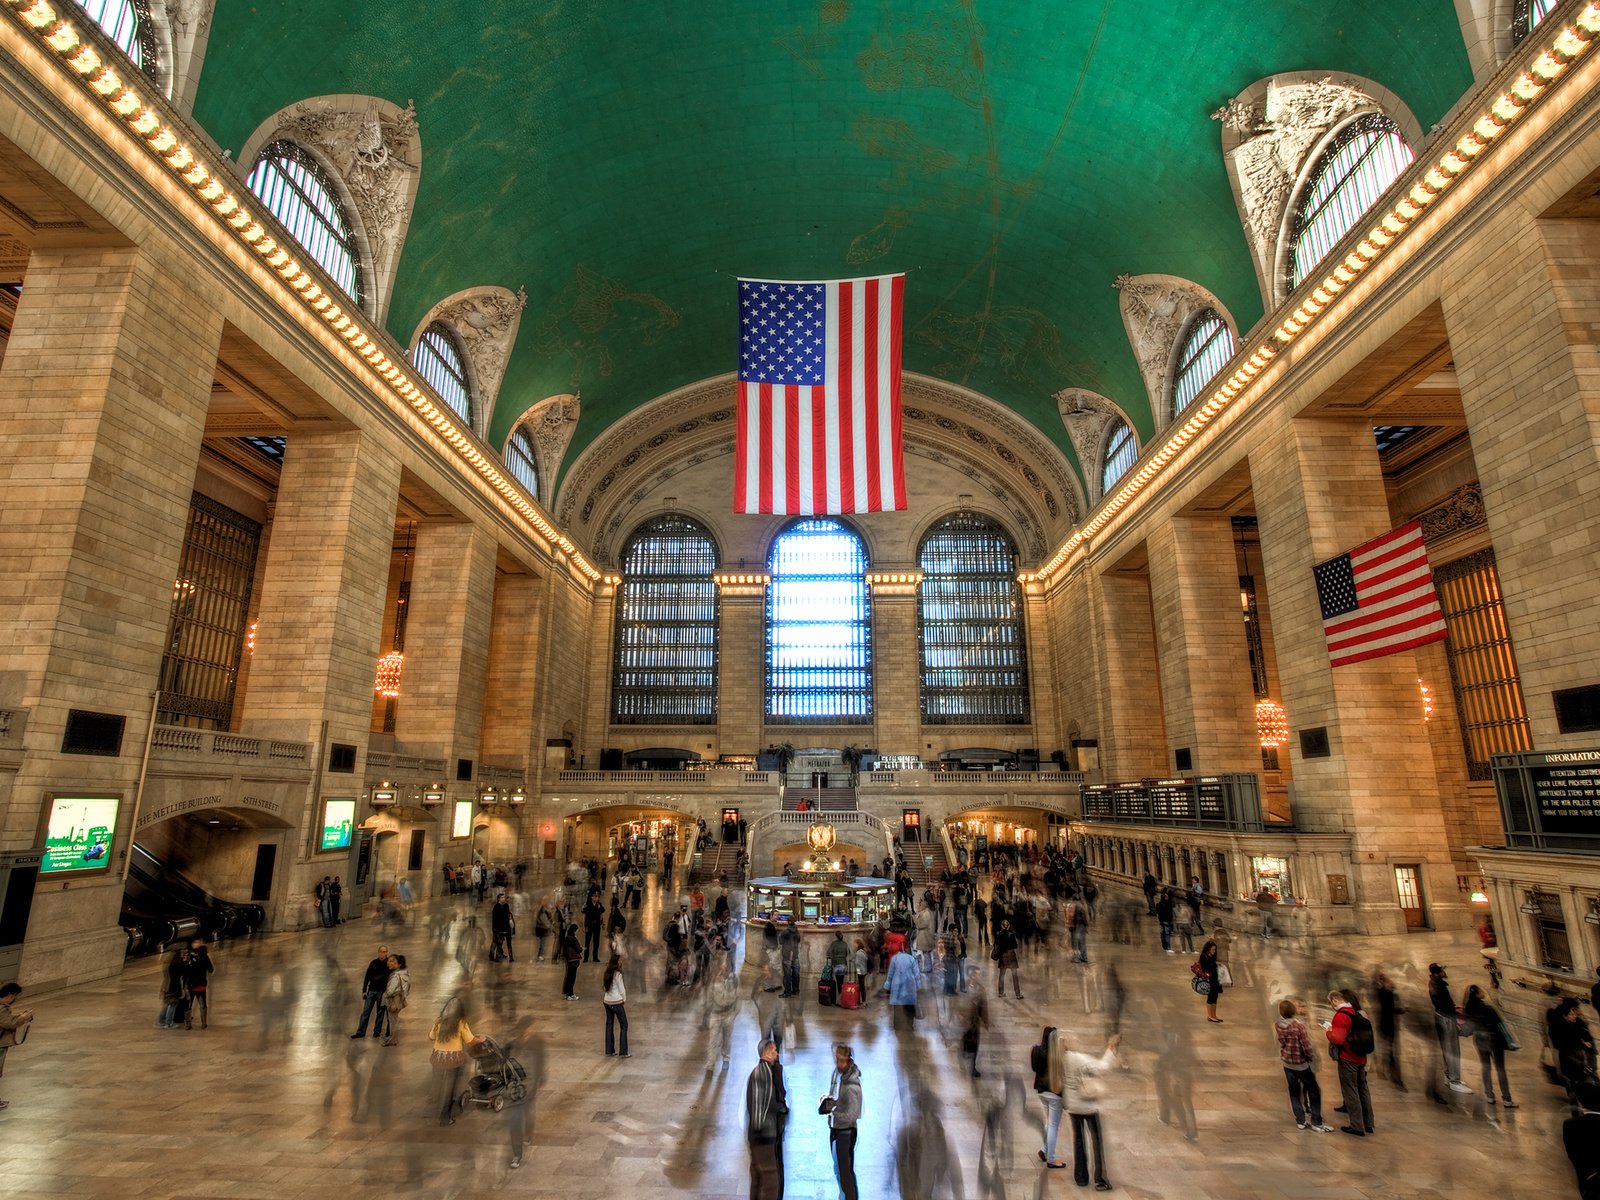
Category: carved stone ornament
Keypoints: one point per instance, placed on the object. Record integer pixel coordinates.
(1267, 147)
(1156, 309)
(1089, 418)
(551, 423)
(188, 29)
(375, 148)
(485, 321)
(1458, 513)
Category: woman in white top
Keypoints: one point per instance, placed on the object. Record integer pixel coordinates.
(1080, 1096)
(616, 1001)
(396, 994)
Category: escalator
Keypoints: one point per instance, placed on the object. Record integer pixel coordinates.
(162, 905)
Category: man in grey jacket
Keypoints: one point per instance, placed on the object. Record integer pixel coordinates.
(842, 1105)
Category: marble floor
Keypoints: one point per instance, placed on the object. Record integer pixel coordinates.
(274, 1101)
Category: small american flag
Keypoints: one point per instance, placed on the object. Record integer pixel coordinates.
(1379, 599)
(819, 397)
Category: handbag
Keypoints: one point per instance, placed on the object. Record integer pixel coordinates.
(1224, 976)
(1201, 985)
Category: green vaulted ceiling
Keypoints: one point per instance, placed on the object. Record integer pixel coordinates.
(624, 161)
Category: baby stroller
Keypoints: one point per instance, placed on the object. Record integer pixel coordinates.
(497, 1078)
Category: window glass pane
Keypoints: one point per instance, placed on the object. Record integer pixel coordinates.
(297, 191)
(1528, 15)
(439, 362)
(1365, 158)
(1207, 348)
(819, 660)
(974, 660)
(1121, 453)
(127, 23)
(522, 461)
(1483, 667)
(665, 666)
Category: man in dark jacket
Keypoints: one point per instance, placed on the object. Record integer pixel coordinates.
(766, 1109)
(1581, 1134)
(373, 984)
(197, 979)
(594, 915)
(1150, 889)
(502, 924)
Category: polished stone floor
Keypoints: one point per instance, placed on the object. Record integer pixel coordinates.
(275, 1101)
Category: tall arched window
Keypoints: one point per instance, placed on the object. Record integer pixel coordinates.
(1364, 158)
(1121, 453)
(974, 658)
(1206, 348)
(1526, 16)
(819, 648)
(522, 460)
(297, 190)
(665, 669)
(128, 24)
(437, 358)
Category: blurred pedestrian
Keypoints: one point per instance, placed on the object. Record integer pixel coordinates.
(902, 982)
(1049, 1068)
(1491, 1039)
(572, 955)
(452, 1042)
(842, 1107)
(1446, 1025)
(1081, 1096)
(766, 1108)
(1004, 954)
(1389, 1012)
(1581, 1135)
(396, 995)
(1213, 975)
(616, 1004)
(1299, 1068)
(544, 924)
(14, 1024)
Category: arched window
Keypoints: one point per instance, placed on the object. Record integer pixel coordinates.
(522, 460)
(437, 359)
(297, 190)
(819, 651)
(1365, 157)
(1526, 16)
(128, 24)
(1121, 453)
(1206, 348)
(665, 670)
(974, 659)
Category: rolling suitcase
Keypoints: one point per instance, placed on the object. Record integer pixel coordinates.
(850, 994)
(825, 992)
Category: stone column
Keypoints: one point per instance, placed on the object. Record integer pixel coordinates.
(441, 706)
(1207, 692)
(1043, 711)
(1133, 738)
(741, 662)
(103, 399)
(1527, 356)
(323, 591)
(896, 663)
(513, 671)
(602, 659)
(1319, 491)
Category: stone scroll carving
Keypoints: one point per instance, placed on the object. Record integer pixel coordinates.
(375, 148)
(1089, 418)
(1266, 144)
(1156, 309)
(485, 321)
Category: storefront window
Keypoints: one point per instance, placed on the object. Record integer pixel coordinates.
(1269, 874)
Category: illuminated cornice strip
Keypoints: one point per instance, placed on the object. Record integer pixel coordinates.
(1548, 65)
(213, 184)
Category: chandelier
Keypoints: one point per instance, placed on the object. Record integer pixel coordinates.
(1272, 724)
(387, 683)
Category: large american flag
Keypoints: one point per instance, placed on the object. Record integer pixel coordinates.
(1379, 598)
(819, 397)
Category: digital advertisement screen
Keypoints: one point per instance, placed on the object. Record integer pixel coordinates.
(462, 825)
(78, 834)
(338, 819)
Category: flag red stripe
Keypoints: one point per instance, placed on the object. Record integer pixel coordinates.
(1385, 630)
(1368, 550)
(791, 435)
(1437, 635)
(847, 352)
(897, 499)
(764, 425)
(1401, 599)
(1410, 565)
(870, 443)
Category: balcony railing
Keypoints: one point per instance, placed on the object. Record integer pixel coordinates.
(206, 743)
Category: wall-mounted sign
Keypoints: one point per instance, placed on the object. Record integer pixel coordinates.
(78, 833)
(338, 819)
(461, 825)
(433, 797)
(382, 797)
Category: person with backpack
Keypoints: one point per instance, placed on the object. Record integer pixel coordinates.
(1351, 1040)
(1049, 1076)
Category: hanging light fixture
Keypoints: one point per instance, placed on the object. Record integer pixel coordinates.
(390, 667)
(1272, 724)
(1427, 699)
